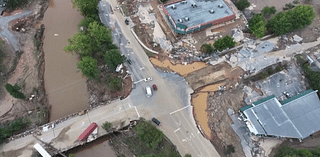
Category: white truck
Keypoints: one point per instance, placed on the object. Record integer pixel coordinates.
(149, 92)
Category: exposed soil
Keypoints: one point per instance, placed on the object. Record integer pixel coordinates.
(26, 68)
(99, 93)
(178, 68)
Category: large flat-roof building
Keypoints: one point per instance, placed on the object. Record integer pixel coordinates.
(297, 117)
(188, 16)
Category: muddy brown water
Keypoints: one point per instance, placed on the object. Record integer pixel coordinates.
(64, 84)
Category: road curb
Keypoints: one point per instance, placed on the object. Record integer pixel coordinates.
(144, 46)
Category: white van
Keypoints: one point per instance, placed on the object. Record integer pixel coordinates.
(149, 93)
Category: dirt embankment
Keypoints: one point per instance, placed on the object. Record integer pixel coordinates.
(26, 70)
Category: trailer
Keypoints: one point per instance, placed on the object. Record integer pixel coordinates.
(41, 150)
(88, 131)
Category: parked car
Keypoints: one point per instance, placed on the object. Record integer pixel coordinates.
(154, 87)
(156, 121)
(126, 21)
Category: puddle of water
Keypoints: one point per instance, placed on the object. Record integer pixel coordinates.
(179, 68)
(103, 149)
(65, 87)
(199, 102)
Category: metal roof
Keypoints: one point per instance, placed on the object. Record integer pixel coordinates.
(200, 14)
(297, 118)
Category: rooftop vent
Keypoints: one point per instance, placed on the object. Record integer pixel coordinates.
(180, 20)
(186, 19)
(173, 6)
(220, 6)
(194, 5)
(211, 11)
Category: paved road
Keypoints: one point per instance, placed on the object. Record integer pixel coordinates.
(8, 34)
(170, 104)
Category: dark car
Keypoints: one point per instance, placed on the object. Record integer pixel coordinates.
(126, 21)
(154, 87)
(156, 121)
(129, 61)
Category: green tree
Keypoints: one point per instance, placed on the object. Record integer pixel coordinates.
(113, 58)
(88, 67)
(223, 43)
(101, 36)
(206, 48)
(187, 155)
(93, 42)
(107, 126)
(242, 4)
(115, 84)
(87, 7)
(266, 11)
(257, 26)
(14, 91)
(284, 22)
(81, 43)
(85, 22)
(149, 134)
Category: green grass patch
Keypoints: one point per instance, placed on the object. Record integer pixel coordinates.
(149, 54)
(8, 129)
(125, 9)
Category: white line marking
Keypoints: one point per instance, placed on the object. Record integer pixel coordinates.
(176, 130)
(184, 140)
(192, 134)
(119, 108)
(179, 109)
(137, 111)
(129, 105)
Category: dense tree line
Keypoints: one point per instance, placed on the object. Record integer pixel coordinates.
(292, 152)
(284, 22)
(313, 77)
(7, 130)
(94, 44)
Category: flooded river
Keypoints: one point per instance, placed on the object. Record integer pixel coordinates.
(65, 86)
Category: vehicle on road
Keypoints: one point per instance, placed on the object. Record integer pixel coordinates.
(149, 93)
(156, 121)
(126, 21)
(148, 79)
(154, 87)
(129, 61)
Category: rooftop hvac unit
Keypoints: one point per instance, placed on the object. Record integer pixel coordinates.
(186, 18)
(194, 5)
(173, 6)
(180, 20)
(220, 6)
(211, 11)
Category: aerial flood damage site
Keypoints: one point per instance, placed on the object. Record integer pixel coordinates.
(169, 78)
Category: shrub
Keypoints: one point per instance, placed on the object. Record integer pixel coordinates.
(230, 149)
(242, 4)
(223, 43)
(278, 68)
(115, 84)
(14, 91)
(206, 48)
(187, 155)
(263, 75)
(266, 11)
(107, 126)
